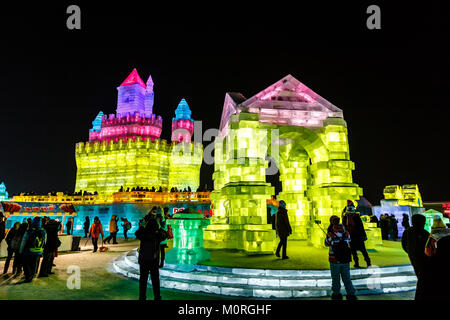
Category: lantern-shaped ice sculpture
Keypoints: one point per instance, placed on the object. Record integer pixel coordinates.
(187, 238)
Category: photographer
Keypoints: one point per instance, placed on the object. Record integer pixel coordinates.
(149, 250)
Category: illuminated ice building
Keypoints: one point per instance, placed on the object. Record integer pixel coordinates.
(125, 149)
(306, 137)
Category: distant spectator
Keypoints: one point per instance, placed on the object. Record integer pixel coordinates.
(126, 227)
(405, 221)
(2, 226)
(113, 229)
(12, 246)
(69, 226)
(32, 247)
(86, 226)
(95, 232)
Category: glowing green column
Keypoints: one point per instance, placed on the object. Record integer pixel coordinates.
(239, 199)
(187, 239)
(294, 177)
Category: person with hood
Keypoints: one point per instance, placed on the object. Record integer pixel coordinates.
(283, 228)
(2, 226)
(32, 247)
(95, 231)
(87, 224)
(353, 224)
(339, 255)
(148, 256)
(11, 250)
(53, 242)
(113, 229)
(15, 243)
(438, 231)
(126, 226)
(414, 240)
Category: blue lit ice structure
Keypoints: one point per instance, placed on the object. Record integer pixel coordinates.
(3, 193)
(391, 207)
(187, 239)
(97, 123)
(182, 111)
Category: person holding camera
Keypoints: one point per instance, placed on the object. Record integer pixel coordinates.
(150, 236)
(339, 255)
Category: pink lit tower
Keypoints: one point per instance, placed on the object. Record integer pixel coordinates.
(125, 149)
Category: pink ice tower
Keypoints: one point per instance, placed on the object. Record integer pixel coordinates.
(182, 124)
(134, 114)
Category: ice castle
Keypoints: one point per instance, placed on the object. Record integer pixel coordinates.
(3, 192)
(125, 149)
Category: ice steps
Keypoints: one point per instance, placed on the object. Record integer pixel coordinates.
(261, 283)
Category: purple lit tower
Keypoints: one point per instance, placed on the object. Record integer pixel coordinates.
(125, 149)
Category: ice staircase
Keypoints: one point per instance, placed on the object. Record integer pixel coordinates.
(266, 283)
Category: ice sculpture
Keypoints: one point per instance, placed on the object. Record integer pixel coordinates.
(307, 138)
(400, 200)
(125, 149)
(187, 238)
(3, 193)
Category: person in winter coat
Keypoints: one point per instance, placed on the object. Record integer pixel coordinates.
(393, 227)
(87, 224)
(69, 226)
(32, 247)
(162, 221)
(405, 221)
(283, 228)
(11, 250)
(126, 226)
(148, 256)
(339, 255)
(2, 226)
(51, 227)
(95, 232)
(113, 229)
(15, 243)
(353, 224)
(414, 240)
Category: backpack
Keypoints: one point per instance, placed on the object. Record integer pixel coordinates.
(342, 252)
(128, 226)
(36, 242)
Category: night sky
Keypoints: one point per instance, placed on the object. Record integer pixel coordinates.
(391, 84)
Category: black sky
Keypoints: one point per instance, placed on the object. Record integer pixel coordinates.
(392, 84)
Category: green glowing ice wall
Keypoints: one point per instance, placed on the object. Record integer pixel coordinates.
(187, 238)
(315, 171)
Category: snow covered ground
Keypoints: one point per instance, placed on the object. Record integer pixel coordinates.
(98, 282)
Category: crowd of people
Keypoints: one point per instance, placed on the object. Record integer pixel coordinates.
(27, 243)
(429, 254)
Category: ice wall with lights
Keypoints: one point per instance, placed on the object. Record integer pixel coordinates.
(306, 136)
(125, 149)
